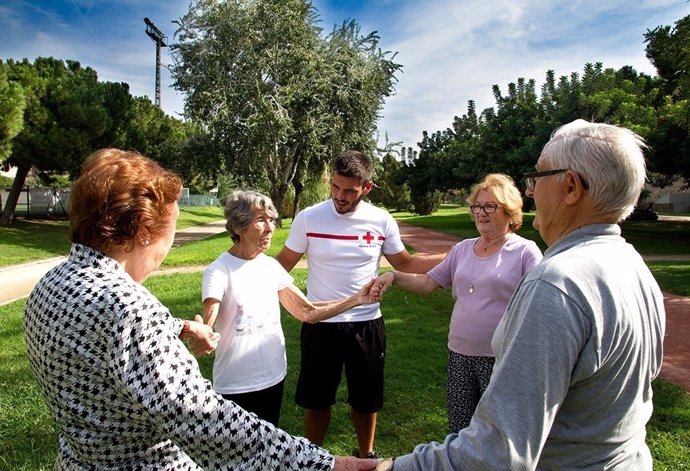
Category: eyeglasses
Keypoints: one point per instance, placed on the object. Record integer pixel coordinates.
(531, 178)
(488, 208)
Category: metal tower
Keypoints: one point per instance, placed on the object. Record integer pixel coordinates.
(159, 38)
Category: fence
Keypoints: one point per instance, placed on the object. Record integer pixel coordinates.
(40, 201)
(37, 202)
(187, 199)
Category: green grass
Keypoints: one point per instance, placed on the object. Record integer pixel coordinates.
(649, 238)
(658, 237)
(414, 411)
(32, 239)
(202, 252)
(198, 215)
(673, 277)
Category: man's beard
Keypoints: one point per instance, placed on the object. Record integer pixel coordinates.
(350, 208)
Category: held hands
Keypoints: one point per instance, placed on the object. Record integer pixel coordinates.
(349, 463)
(381, 284)
(201, 339)
(365, 295)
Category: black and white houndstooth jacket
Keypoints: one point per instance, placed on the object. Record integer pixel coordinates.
(125, 391)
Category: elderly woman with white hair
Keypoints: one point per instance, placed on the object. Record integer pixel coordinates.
(241, 293)
(581, 340)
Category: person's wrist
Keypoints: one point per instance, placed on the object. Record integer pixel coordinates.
(186, 329)
(385, 464)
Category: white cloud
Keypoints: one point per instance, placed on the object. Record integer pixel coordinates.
(455, 51)
(452, 50)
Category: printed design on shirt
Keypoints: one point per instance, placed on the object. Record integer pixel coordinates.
(249, 323)
(365, 240)
(238, 319)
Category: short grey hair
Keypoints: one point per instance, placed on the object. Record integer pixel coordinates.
(239, 209)
(608, 158)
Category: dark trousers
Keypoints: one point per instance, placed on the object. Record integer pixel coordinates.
(264, 403)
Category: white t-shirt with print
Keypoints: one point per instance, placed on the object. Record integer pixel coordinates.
(344, 252)
(251, 353)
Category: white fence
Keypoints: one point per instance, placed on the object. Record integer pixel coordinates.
(55, 201)
(40, 201)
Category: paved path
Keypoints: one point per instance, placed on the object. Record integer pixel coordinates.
(16, 282)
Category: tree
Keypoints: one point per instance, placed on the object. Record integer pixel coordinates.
(669, 50)
(390, 189)
(12, 104)
(508, 138)
(65, 119)
(277, 99)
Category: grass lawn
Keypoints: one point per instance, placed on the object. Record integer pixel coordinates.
(35, 239)
(645, 236)
(414, 411)
(202, 252)
(417, 328)
(673, 277)
(198, 215)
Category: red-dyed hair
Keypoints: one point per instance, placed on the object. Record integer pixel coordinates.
(120, 199)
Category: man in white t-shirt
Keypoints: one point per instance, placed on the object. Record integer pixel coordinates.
(343, 239)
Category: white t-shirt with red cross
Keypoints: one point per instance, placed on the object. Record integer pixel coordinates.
(344, 252)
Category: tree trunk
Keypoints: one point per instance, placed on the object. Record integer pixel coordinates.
(278, 195)
(299, 188)
(11, 204)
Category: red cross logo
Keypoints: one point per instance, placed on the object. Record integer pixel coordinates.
(368, 237)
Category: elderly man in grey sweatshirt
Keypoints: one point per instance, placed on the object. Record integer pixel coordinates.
(581, 339)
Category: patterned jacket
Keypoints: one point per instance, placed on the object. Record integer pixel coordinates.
(125, 391)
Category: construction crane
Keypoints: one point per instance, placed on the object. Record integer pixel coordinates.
(160, 39)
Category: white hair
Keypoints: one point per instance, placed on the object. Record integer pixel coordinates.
(609, 159)
(239, 209)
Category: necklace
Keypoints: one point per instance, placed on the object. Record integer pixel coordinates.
(484, 261)
(472, 277)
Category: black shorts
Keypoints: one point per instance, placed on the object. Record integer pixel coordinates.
(326, 347)
(265, 402)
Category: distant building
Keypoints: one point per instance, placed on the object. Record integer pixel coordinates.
(673, 203)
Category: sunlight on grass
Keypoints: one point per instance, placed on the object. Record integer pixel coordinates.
(203, 252)
(198, 215)
(30, 239)
(673, 277)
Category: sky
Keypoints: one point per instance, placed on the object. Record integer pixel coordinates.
(452, 51)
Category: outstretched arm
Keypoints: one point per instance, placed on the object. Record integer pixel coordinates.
(200, 337)
(299, 306)
(418, 263)
(209, 311)
(412, 282)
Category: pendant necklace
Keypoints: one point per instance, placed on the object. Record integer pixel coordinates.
(472, 277)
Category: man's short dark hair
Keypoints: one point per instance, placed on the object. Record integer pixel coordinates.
(354, 164)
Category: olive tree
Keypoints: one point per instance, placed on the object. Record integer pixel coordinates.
(277, 99)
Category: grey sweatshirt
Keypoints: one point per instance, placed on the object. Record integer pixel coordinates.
(576, 353)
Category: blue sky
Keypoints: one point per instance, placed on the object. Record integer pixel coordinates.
(452, 50)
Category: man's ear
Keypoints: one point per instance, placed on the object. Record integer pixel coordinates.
(574, 189)
(366, 188)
